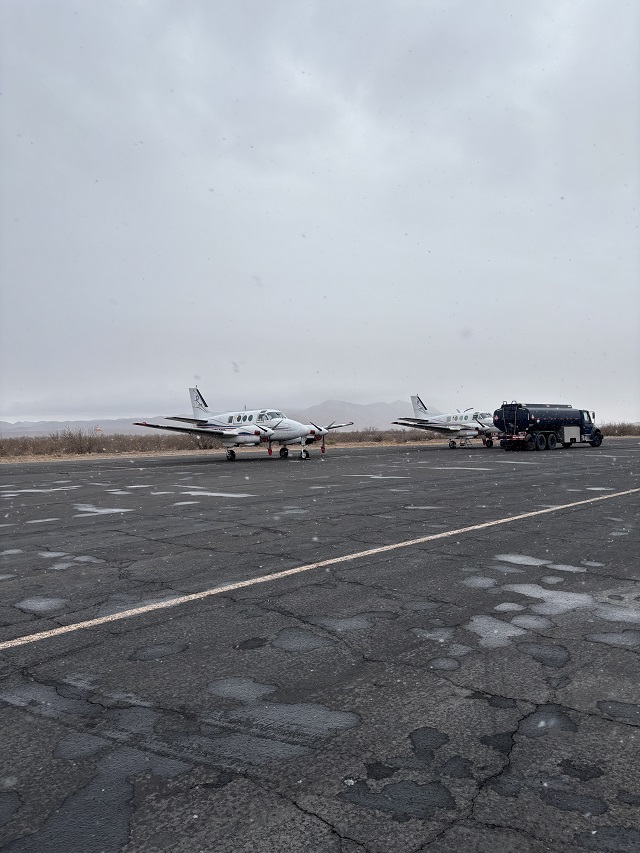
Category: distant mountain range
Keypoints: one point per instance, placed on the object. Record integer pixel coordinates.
(363, 415)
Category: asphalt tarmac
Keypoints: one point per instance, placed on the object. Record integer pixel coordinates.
(475, 690)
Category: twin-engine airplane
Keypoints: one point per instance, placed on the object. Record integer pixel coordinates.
(461, 426)
(248, 428)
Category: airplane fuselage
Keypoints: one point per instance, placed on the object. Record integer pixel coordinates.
(283, 429)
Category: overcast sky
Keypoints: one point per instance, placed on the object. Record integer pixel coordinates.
(290, 201)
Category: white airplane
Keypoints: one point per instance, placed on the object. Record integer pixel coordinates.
(461, 426)
(247, 428)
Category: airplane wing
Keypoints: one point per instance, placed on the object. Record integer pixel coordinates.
(418, 423)
(218, 433)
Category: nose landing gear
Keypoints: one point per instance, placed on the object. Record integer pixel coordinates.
(304, 454)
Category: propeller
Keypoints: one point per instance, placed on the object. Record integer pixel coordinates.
(322, 432)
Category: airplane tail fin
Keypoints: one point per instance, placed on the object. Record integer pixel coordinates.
(422, 411)
(199, 404)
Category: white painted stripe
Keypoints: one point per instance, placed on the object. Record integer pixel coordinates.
(230, 587)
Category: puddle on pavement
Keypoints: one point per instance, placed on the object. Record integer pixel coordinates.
(625, 711)
(438, 635)
(159, 651)
(554, 656)
(555, 602)
(85, 510)
(610, 839)
(493, 632)
(299, 640)
(306, 718)
(622, 639)
(521, 560)
(444, 664)
(40, 604)
(508, 607)
(616, 613)
(105, 805)
(562, 567)
(240, 689)
(357, 622)
(478, 582)
(546, 720)
(403, 800)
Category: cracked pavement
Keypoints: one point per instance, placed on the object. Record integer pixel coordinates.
(478, 692)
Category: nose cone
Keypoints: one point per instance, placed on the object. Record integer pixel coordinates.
(316, 430)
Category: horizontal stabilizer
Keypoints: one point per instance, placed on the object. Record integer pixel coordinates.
(421, 423)
(197, 421)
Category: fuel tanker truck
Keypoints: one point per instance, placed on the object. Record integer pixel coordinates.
(543, 426)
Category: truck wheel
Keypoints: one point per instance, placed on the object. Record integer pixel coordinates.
(596, 441)
(552, 441)
(540, 441)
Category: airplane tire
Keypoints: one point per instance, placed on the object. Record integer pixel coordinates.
(231, 456)
(489, 442)
(304, 454)
(283, 453)
(452, 444)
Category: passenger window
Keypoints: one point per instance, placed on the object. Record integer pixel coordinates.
(250, 417)
(244, 417)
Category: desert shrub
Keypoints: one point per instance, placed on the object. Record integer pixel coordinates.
(78, 441)
(386, 436)
(620, 429)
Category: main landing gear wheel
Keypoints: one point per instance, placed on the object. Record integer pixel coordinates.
(304, 454)
(488, 442)
(452, 444)
(231, 456)
(283, 453)
(552, 441)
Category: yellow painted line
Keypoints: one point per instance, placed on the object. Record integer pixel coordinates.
(333, 561)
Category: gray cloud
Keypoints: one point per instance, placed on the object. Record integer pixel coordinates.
(301, 201)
